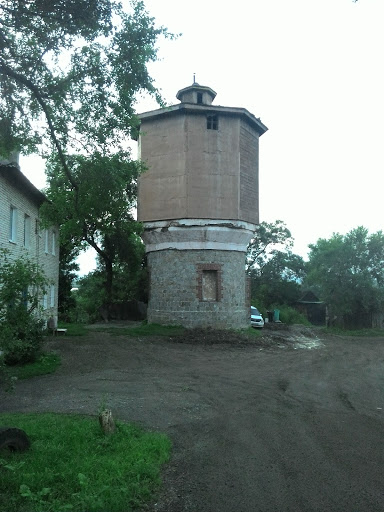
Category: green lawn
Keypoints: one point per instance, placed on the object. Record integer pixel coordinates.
(72, 465)
(45, 364)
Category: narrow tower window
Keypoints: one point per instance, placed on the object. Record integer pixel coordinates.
(209, 285)
(212, 123)
(200, 97)
(209, 282)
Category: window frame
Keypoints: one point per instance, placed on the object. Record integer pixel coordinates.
(212, 122)
(46, 241)
(27, 231)
(53, 243)
(13, 224)
(205, 267)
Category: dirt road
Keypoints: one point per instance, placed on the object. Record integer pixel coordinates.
(293, 423)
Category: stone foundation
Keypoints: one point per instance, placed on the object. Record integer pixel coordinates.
(198, 288)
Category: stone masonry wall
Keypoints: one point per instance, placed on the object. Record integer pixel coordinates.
(177, 295)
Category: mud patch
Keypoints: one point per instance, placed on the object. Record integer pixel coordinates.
(294, 337)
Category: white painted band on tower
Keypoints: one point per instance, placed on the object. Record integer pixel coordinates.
(196, 234)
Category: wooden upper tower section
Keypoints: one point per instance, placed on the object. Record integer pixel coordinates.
(202, 160)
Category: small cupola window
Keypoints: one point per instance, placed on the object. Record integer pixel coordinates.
(200, 98)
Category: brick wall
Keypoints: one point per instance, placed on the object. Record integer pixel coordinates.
(176, 295)
(30, 241)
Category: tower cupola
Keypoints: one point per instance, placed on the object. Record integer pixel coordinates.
(198, 94)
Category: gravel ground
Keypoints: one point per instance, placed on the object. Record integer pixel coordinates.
(291, 421)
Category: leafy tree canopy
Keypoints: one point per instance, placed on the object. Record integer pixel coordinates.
(276, 273)
(268, 239)
(348, 271)
(70, 72)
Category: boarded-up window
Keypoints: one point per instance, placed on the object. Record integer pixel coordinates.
(209, 284)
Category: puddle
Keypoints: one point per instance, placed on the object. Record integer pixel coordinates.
(307, 343)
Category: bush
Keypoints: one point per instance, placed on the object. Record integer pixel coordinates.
(290, 316)
(22, 283)
(21, 342)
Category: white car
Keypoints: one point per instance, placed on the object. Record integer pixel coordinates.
(256, 319)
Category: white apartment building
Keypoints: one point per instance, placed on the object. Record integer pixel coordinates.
(20, 231)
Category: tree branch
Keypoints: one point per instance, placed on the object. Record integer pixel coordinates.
(21, 79)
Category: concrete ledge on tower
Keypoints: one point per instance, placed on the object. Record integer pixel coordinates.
(198, 234)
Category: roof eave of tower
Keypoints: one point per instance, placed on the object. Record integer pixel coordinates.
(196, 108)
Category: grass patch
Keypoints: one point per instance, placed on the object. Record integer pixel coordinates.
(363, 333)
(72, 465)
(73, 329)
(45, 364)
(145, 330)
(253, 332)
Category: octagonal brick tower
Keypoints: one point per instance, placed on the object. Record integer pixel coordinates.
(199, 203)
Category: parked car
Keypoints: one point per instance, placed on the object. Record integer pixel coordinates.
(256, 319)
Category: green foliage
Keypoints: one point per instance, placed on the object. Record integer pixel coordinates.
(70, 73)
(276, 273)
(67, 274)
(22, 341)
(290, 316)
(129, 283)
(73, 329)
(45, 364)
(73, 466)
(22, 284)
(347, 272)
(90, 296)
(268, 239)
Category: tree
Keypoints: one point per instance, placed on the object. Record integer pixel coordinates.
(100, 213)
(70, 73)
(67, 274)
(348, 273)
(267, 240)
(276, 273)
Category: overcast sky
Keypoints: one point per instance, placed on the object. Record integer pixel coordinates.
(312, 70)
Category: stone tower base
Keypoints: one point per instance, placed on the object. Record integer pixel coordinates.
(198, 288)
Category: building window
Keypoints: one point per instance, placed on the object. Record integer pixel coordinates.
(13, 225)
(53, 243)
(52, 302)
(209, 282)
(46, 240)
(27, 230)
(212, 123)
(209, 285)
(199, 97)
(45, 301)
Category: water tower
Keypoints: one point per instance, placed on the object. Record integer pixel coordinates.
(199, 203)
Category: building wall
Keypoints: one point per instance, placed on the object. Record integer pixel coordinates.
(41, 246)
(195, 172)
(198, 288)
